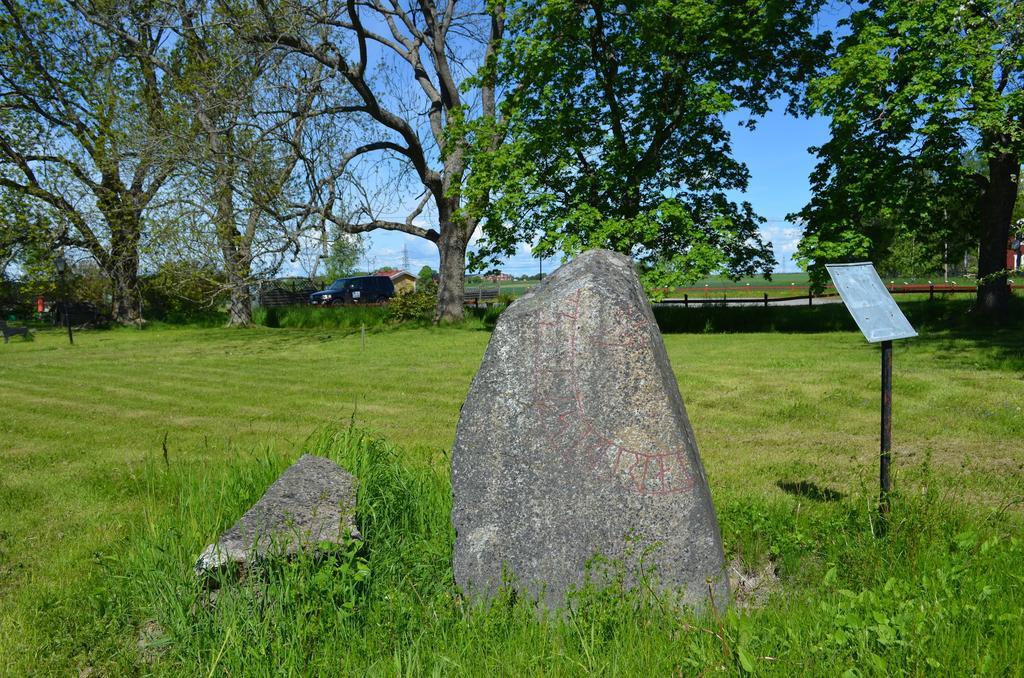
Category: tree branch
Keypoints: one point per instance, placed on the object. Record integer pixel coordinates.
(430, 234)
(413, 149)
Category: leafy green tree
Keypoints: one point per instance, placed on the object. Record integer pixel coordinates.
(426, 274)
(916, 90)
(616, 132)
(80, 130)
(26, 237)
(345, 252)
(909, 257)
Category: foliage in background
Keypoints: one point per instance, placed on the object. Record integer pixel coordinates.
(909, 257)
(179, 293)
(84, 283)
(345, 252)
(26, 238)
(411, 306)
(615, 120)
(927, 135)
(925, 315)
(426, 274)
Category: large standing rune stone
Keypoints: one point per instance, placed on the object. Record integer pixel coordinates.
(312, 502)
(574, 441)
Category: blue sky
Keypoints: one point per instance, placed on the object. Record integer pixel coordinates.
(779, 163)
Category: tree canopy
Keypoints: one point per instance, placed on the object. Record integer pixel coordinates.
(927, 134)
(616, 128)
(80, 130)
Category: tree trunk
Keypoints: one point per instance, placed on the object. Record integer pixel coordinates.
(233, 245)
(237, 267)
(123, 269)
(126, 307)
(240, 304)
(996, 214)
(451, 288)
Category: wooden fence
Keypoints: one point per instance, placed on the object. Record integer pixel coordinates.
(809, 297)
(289, 292)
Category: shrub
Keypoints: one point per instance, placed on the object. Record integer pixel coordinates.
(345, 318)
(272, 317)
(412, 306)
(180, 293)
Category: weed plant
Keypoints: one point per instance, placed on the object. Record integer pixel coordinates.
(937, 589)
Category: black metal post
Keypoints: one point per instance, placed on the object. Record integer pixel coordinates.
(61, 264)
(766, 300)
(67, 311)
(886, 437)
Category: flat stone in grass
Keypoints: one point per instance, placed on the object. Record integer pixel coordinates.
(574, 441)
(314, 501)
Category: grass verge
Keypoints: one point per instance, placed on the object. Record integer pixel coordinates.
(939, 590)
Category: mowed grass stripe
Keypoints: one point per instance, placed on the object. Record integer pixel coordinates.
(279, 386)
(113, 395)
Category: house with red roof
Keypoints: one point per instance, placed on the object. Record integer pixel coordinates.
(404, 281)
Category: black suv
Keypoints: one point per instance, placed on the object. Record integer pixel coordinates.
(368, 289)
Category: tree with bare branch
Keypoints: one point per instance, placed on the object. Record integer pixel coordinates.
(251, 111)
(419, 73)
(248, 124)
(81, 119)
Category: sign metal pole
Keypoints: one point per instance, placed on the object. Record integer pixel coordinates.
(885, 485)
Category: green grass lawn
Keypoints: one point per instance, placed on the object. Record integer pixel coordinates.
(93, 547)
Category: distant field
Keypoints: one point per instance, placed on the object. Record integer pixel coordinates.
(781, 279)
(513, 288)
(98, 526)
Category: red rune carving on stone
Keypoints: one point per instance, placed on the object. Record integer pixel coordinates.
(561, 406)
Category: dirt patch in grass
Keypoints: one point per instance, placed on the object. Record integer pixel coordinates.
(751, 589)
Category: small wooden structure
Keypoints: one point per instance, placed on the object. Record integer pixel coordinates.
(403, 280)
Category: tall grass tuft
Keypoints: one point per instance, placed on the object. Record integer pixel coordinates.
(937, 589)
(349, 318)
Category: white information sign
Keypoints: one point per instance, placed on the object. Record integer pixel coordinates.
(869, 302)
